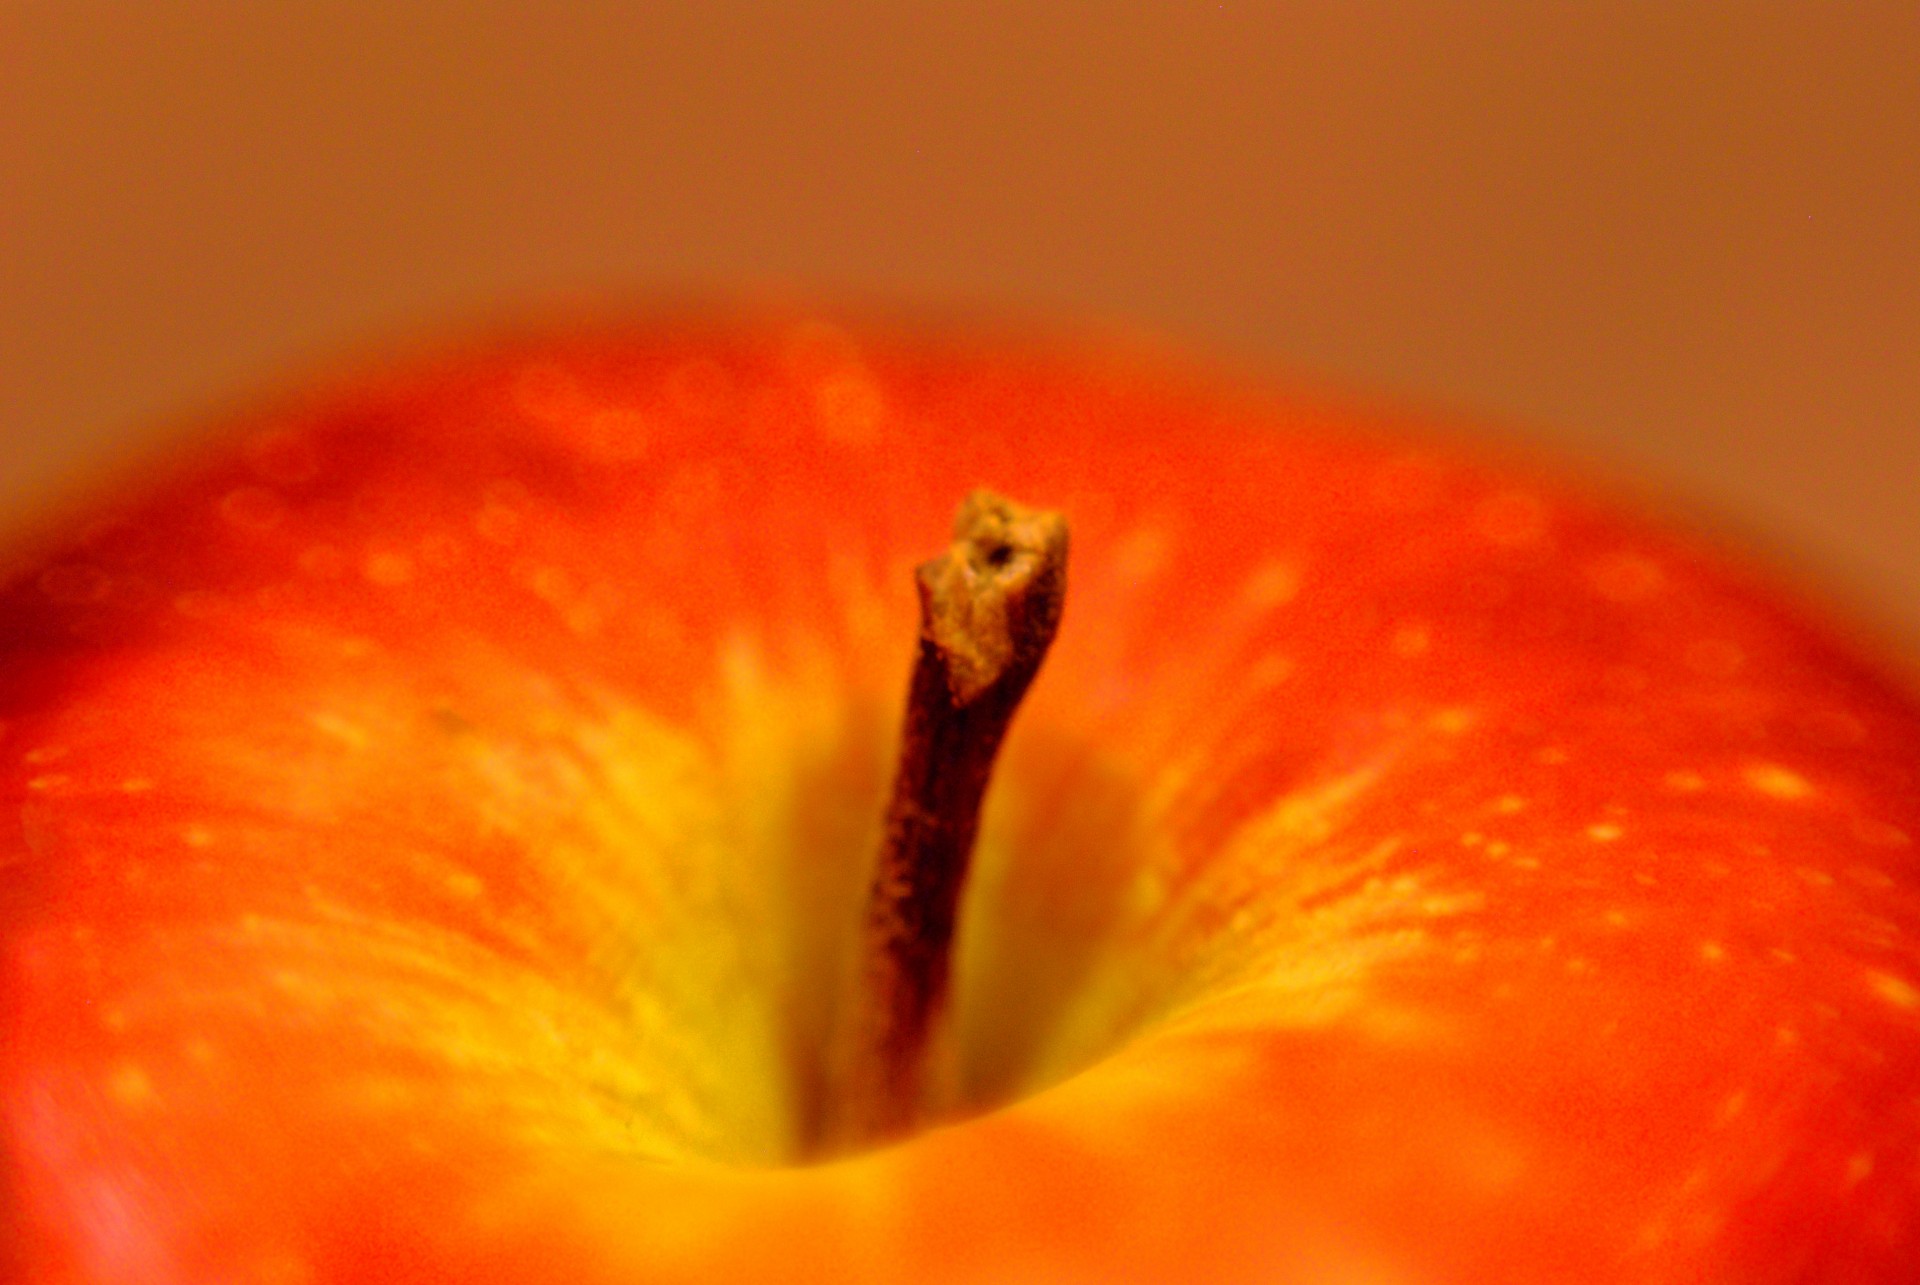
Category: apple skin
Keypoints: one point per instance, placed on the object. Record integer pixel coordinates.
(432, 814)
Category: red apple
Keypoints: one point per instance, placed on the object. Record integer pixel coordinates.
(436, 822)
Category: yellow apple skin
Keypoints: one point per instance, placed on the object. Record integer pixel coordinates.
(434, 817)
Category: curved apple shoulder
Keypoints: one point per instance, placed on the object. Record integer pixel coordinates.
(445, 812)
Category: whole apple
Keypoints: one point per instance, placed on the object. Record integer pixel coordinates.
(436, 820)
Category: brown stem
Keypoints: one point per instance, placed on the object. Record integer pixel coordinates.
(989, 607)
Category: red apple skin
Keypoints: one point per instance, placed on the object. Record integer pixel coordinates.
(1488, 888)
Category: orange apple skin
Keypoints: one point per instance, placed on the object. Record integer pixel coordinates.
(1471, 883)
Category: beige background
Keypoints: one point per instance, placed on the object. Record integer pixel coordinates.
(1682, 240)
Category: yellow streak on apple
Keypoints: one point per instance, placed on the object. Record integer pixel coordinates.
(703, 881)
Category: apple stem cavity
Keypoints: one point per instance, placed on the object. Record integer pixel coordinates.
(989, 608)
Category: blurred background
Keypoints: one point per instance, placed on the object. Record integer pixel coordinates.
(1679, 240)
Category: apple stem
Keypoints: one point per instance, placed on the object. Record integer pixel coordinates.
(989, 608)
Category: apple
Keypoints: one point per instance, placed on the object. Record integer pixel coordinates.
(441, 809)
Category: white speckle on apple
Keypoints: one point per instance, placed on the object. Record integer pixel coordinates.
(1859, 1169)
(1626, 577)
(1604, 832)
(849, 408)
(617, 435)
(1684, 782)
(1897, 991)
(1273, 584)
(1141, 556)
(1834, 727)
(1715, 658)
(388, 570)
(465, 885)
(552, 585)
(1879, 834)
(1411, 640)
(302, 988)
(1712, 952)
(1870, 877)
(130, 1086)
(342, 729)
(197, 604)
(498, 523)
(1267, 673)
(1778, 782)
